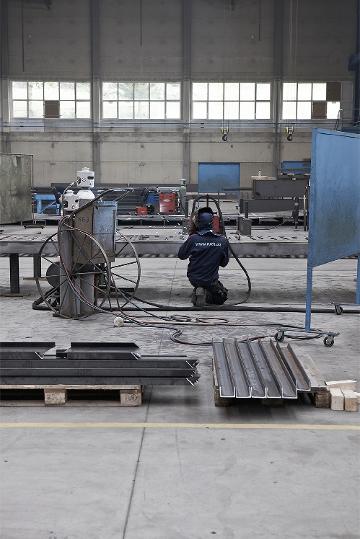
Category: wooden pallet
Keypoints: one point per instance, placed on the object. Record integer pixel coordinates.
(57, 395)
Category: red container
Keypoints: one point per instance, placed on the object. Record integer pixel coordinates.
(167, 202)
(141, 210)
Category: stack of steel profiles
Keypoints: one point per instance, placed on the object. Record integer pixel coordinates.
(260, 369)
(91, 364)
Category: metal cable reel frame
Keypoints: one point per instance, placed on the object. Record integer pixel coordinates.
(66, 276)
(129, 294)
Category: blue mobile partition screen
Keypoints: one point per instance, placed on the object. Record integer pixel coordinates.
(334, 227)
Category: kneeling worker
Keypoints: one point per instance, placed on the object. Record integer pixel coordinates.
(207, 251)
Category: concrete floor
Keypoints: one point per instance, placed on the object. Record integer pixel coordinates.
(193, 471)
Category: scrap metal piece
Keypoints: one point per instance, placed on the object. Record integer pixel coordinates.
(103, 350)
(238, 375)
(294, 365)
(280, 373)
(272, 390)
(226, 386)
(23, 350)
(257, 389)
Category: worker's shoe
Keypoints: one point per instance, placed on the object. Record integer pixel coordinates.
(198, 297)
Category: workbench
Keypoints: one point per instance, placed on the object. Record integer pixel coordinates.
(278, 242)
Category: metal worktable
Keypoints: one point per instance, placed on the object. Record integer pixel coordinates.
(281, 242)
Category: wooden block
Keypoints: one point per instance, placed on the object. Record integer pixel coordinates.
(350, 400)
(221, 401)
(337, 399)
(321, 399)
(54, 396)
(131, 397)
(342, 384)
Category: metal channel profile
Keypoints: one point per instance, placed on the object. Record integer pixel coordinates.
(92, 364)
(223, 375)
(258, 369)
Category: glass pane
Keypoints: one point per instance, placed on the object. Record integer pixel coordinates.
(215, 110)
(173, 110)
(141, 91)
(83, 109)
(247, 91)
(231, 110)
(126, 110)
(51, 90)
(35, 90)
(231, 91)
(157, 91)
(319, 91)
(216, 91)
(126, 91)
(247, 110)
(67, 90)
(263, 91)
(67, 109)
(36, 109)
(83, 90)
(20, 109)
(304, 91)
(289, 110)
(199, 91)
(109, 109)
(109, 90)
(263, 110)
(332, 109)
(199, 110)
(173, 90)
(289, 91)
(141, 109)
(19, 90)
(304, 110)
(157, 110)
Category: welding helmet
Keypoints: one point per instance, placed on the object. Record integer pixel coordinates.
(205, 220)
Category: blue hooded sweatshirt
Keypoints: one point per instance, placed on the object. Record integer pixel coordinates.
(207, 251)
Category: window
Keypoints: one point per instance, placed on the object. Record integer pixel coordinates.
(311, 100)
(231, 101)
(50, 99)
(141, 100)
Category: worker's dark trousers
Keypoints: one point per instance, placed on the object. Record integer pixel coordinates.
(216, 293)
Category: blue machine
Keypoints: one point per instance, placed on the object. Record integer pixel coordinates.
(48, 199)
(295, 167)
(334, 228)
(218, 177)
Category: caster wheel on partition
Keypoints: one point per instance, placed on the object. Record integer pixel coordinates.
(280, 336)
(338, 309)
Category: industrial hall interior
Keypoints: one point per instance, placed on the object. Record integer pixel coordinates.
(179, 269)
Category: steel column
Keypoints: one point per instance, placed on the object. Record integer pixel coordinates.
(14, 274)
(186, 86)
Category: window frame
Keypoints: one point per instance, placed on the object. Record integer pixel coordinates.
(134, 100)
(255, 100)
(311, 120)
(42, 100)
